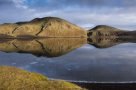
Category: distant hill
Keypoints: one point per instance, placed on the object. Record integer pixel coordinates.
(103, 36)
(42, 27)
(103, 30)
(108, 31)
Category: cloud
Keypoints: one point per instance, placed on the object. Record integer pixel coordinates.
(14, 11)
(5, 2)
(54, 4)
(20, 4)
(129, 3)
(84, 17)
(81, 12)
(67, 3)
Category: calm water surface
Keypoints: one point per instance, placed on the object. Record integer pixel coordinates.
(104, 60)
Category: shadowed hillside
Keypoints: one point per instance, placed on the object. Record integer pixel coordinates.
(42, 27)
(50, 47)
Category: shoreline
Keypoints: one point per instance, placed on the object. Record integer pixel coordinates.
(107, 86)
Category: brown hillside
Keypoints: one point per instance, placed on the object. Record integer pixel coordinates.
(43, 27)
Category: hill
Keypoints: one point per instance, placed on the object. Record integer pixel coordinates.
(108, 31)
(103, 30)
(42, 27)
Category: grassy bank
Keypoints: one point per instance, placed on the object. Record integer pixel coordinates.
(12, 78)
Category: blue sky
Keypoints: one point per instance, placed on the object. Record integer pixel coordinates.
(87, 13)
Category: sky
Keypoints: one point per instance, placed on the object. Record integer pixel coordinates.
(85, 13)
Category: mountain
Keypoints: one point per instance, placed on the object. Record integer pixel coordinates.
(42, 27)
(103, 36)
(103, 30)
(108, 31)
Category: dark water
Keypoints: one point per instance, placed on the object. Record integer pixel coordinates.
(75, 59)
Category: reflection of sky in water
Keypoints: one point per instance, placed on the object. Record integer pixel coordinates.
(117, 63)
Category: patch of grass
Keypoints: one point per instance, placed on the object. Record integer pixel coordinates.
(12, 78)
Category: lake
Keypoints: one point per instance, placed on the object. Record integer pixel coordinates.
(103, 60)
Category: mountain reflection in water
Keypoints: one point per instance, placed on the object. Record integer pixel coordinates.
(55, 47)
(50, 47)
(74, 58)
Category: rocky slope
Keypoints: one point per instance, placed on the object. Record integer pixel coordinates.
(41, 27)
